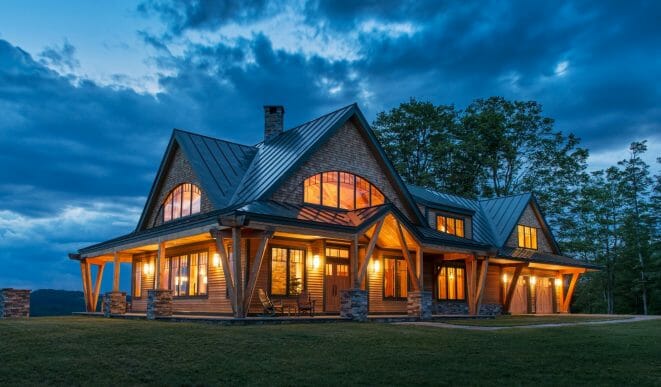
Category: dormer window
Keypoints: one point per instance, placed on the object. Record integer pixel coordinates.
(527, 237)
(341, 190)
(184, 200)
(450, 225)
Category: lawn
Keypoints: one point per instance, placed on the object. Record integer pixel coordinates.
(511, 321)
(94, 351)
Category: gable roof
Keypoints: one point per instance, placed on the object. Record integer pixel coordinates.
(219, 165)
(279, 157)
(504, 213)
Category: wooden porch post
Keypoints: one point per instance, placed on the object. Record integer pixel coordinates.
(360, 280)
(97, 285)
(407, 256)
(570, 292)
(227, 270)
(512, 287)
(484, 267)
(418, 266)
(238, 270)
(255, 268)
(86, 285)
(115, 275)
(160, 257)
(471, 278)
(354, 276)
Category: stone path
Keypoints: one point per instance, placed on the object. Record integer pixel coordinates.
(627, 319)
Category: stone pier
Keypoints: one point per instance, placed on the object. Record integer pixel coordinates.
(159, 303)
(419, 305)
(353, 304)
(114, 303)
(14, 303)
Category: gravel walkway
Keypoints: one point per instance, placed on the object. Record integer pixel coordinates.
(627, 319)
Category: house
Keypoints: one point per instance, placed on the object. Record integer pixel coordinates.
(319, 208)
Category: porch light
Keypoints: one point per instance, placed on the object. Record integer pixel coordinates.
(376, 266)
(533, 281)
(315, 261)
(148, 268)
(558, 282)
(504, 278)
(205, 280)
(216, 260)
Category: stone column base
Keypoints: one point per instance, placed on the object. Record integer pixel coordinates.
(114, 303)
(419, 305)
(353, 304)
(159, 303)
(14, 303)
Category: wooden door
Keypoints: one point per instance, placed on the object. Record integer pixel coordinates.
(336, 279)
(544, 296)
(519, 303)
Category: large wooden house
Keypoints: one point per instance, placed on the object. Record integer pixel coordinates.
(320, 208)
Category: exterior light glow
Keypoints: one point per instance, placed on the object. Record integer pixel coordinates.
(533, 280)
(205, 280)
(504, 278)
(315, 261)
(558, 282)
(148, 268)
(376, 266)
(216, 260)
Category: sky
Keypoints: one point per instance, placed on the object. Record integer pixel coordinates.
(90, 91)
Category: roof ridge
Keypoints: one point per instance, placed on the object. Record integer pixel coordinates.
(211, 138)
(504, 197)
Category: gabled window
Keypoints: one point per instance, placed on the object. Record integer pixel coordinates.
(184, 200)
(450, 225)
(341, 190)
(527, 237)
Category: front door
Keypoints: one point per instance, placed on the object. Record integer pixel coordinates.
(336, 277)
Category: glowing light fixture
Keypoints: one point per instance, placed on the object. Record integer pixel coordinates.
(558, 282)
(504, 278)
(216, 260)
(315, 261)
(148, 268)
(205, 280)
(376, 266)
(533, 280)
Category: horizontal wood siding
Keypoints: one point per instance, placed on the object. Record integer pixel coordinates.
(493, 287)
(375, 287)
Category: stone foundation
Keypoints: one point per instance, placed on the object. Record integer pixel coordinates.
(451, 307)
(114, 303)
(159, 303)
(14, 303)
(353, 304)
(491, 309)
(419, 305)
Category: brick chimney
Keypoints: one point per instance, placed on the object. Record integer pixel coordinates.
(274, 118)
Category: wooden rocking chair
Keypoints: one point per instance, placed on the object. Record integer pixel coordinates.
(270, 308)
(305, 303)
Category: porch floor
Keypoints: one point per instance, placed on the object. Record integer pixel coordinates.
(259, 320)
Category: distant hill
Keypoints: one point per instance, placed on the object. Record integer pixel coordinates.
(49, 302)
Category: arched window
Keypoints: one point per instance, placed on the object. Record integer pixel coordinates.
(341, 190)
(184, 200)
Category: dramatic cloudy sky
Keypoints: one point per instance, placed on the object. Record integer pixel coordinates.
(89, 90)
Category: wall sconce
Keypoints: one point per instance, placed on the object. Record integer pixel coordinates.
(376, 266)
(504, 278)
(216, 260)
(148, 268)
(557, 282)
(205, 280)
(533, 281)
(315, 261)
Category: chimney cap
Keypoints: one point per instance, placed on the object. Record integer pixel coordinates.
(274, 109)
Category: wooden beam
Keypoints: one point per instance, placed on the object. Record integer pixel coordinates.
(97, 285)
(245, 234)
(570, 292)
(115, 274)
(484, 267)
(512, 287)
(238, 271)
(86, 287)
(160, 257)
(407, 256)
(418, 267)
(227, 270)
(353, 262)
(368, 255)
(256, 266)
(471, 277)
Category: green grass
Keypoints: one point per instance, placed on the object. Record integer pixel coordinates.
(511, 321)
(94, 351)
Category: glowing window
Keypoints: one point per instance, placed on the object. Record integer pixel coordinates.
(527, 237)
(451, 284)
(395, 278)
(184, 200)
(287, 268)
(341, 190)
(450, 225)
(186, 275)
